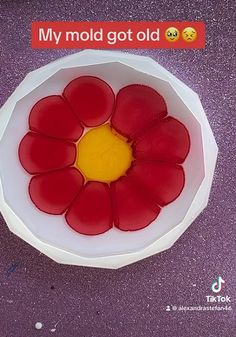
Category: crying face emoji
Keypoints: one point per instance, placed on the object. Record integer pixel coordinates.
(172, 34)
(189, 34)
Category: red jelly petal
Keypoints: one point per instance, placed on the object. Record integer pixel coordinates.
(137, 106)
(54, 192)
(162, 181)
(40, 154)
(91, 212)
(91, 99)
(167, 141)
(53, 117)
(132, 209)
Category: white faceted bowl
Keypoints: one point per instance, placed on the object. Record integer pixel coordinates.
(113, 249)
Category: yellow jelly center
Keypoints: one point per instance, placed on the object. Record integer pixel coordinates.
(103, 154)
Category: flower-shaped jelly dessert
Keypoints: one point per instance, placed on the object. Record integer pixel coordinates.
(103, 160)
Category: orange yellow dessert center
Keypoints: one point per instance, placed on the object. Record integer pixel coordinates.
(103, 155)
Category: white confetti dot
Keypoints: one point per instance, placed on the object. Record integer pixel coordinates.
(38, 325)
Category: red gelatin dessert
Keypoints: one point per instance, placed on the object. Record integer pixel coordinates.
(39, 154)
(91, 211)
(91, 99)
(166, 141)
(121, 173)
(137, 107)
(163, 182)
(53, 111)
(132, 210)
(54, 192)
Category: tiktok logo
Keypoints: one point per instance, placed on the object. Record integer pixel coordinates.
(217, 285)
(216, 288)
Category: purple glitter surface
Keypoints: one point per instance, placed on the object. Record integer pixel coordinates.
(132, 301)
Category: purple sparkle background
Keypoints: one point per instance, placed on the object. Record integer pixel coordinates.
(89, 302)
